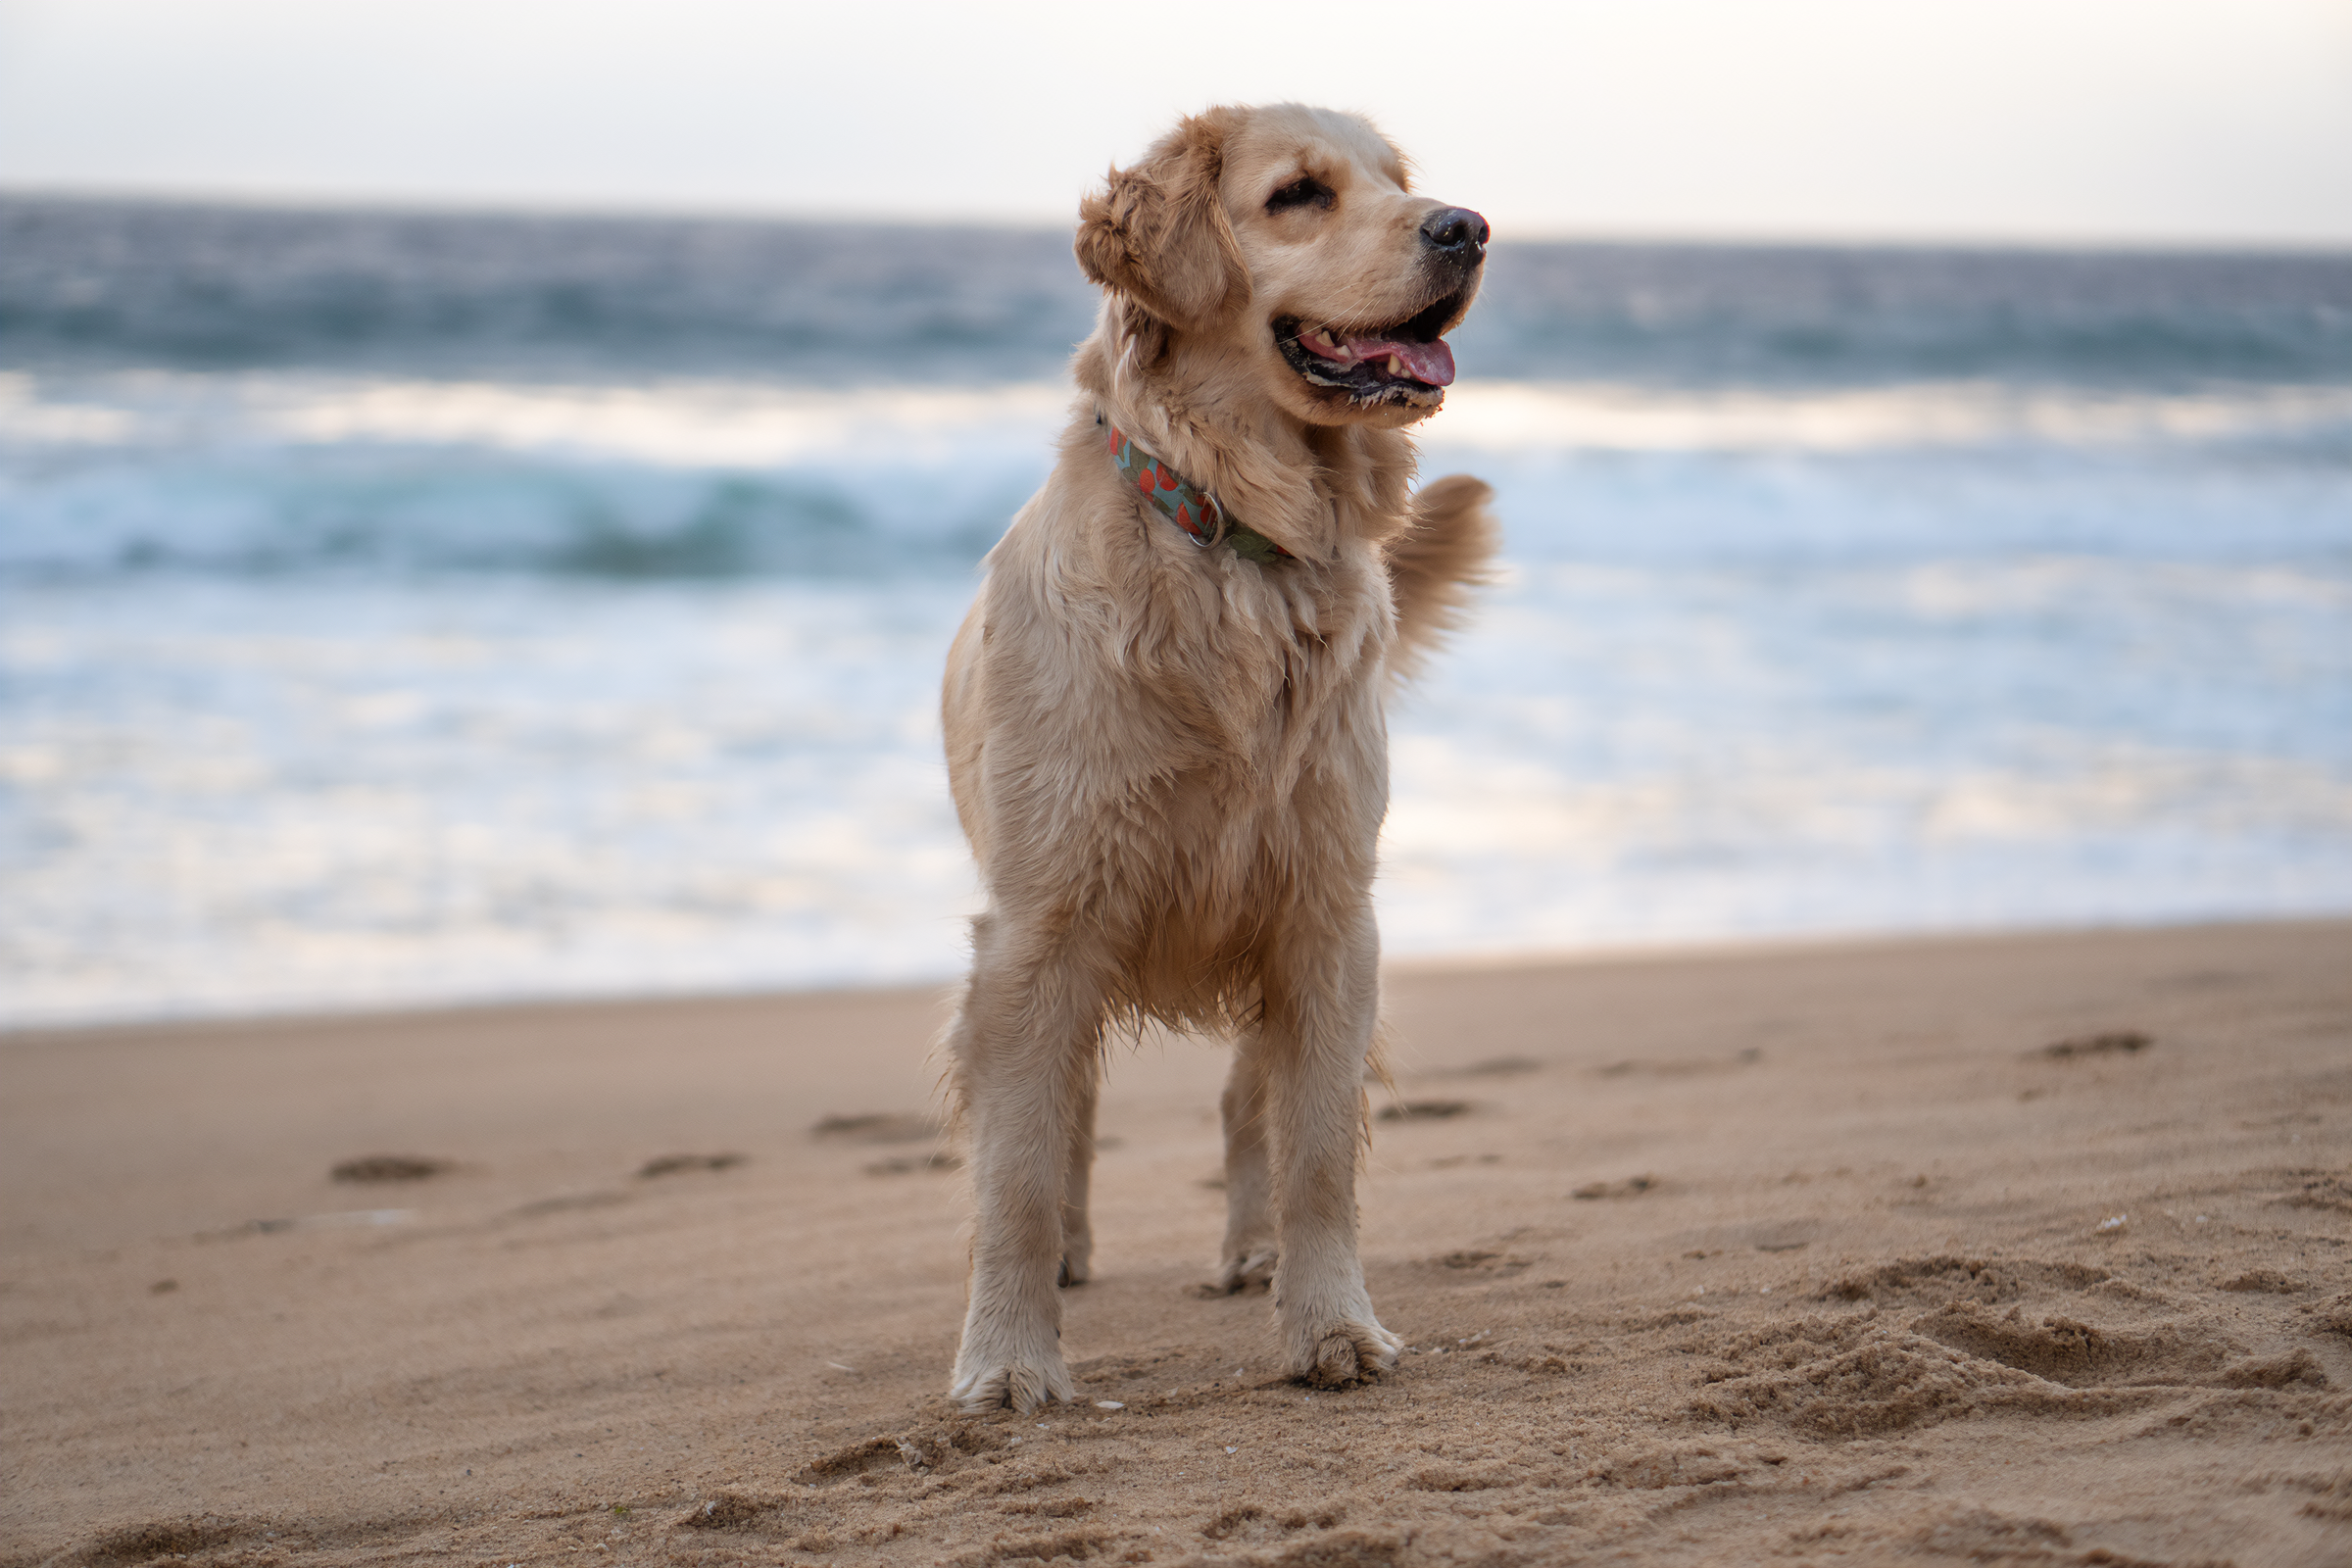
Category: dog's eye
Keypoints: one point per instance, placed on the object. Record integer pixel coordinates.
(1307, 191)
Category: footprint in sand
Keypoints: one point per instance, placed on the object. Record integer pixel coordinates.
(677, 1164)
(900, 1165)
(1630, 1187)
(1425, 1109)
(875, 1128)
(2109, 1042)
(391, 1168)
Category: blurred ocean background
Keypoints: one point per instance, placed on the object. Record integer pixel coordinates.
(407, 608)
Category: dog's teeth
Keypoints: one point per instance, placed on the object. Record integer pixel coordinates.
(1396, 365)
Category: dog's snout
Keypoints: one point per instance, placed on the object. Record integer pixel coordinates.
(1455, 232)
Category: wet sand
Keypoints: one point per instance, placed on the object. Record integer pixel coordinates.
(1794, 1255)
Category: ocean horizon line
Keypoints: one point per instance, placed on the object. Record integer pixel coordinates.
(534, 209)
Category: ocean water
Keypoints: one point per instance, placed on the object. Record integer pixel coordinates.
(404, 608)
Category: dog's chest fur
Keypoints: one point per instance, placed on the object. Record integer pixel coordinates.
(1178, 741)
(1230, 667)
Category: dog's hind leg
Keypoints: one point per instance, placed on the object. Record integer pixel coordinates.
(1077, 1177)
(1025, 1049)
(1248, 1255)
(1322, 1006)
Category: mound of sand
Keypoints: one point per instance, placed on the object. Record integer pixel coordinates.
(1804, 1256)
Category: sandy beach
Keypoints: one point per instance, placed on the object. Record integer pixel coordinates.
(2001, 1249)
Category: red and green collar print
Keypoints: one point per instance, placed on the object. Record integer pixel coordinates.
(1189, 506)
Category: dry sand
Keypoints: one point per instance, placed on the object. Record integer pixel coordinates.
(1797, 1255)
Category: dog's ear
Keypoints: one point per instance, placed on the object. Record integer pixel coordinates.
(1159, 235)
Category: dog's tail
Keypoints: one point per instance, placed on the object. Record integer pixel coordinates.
(1435, 562)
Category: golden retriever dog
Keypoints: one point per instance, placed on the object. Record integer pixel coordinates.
(1164, 714)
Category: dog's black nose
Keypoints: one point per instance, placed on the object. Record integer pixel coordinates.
(1455, 231)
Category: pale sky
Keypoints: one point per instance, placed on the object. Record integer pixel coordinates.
(2208, 121)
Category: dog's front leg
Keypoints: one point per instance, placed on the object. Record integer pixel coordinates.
(1322, 1003)
(1077, 1179)
(1248, 1255)
(1025, 1058)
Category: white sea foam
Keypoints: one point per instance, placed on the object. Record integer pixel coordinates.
(1520, 416)
(705, 421)
(691, 424)
(687, 422)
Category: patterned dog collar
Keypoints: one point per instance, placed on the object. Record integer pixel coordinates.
(1188, 505)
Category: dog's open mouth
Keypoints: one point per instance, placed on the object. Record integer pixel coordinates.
(1402, 362)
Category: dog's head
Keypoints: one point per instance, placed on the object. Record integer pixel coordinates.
(1289, 238)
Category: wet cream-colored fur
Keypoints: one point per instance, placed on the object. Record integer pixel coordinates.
(1172, 762)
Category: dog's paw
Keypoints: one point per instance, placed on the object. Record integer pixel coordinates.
(1076, 1253)
(1249, 1270)
(1018, 1383)
(1346, 1352)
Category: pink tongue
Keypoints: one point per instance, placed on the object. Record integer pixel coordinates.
(1423, 361)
